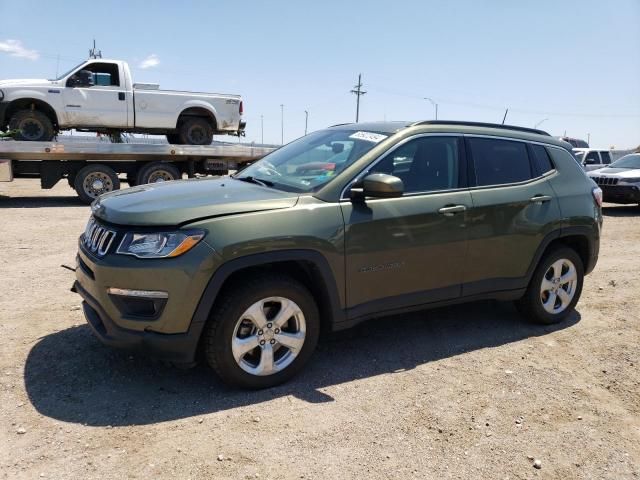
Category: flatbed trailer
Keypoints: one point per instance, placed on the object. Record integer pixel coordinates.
(93, 168)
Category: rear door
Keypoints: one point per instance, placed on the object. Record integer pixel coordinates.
(410, 250)
(103, 104)
(514, 207)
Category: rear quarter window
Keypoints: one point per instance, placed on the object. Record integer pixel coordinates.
(541, 159)
(499, 162)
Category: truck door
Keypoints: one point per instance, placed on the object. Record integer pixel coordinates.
(98, 99)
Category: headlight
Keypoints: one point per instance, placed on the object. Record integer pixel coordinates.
(629, 180)
(159, 244)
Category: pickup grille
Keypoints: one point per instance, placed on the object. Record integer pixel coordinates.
(97, 239)
(605, 180)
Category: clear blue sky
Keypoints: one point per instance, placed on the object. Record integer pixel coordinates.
(575, 63)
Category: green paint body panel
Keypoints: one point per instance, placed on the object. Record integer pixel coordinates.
(382, 254)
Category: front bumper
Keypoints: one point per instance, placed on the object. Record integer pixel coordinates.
(179, 348)
(620, 193)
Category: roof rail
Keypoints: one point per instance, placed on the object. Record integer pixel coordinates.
(482, 124)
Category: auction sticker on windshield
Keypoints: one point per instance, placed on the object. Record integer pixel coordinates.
(368, 136)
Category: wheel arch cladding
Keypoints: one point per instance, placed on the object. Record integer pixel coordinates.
(308, 267)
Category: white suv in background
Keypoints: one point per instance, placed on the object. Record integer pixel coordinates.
(592, 158)
(620, 181)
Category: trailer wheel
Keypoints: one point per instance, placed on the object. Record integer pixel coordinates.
(31, 126)
(94, 180)
(158, 172)
(195, 131)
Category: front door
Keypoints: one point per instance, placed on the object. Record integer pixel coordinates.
(102, 105)
(409, 250)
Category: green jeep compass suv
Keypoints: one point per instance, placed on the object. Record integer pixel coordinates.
(344, 224)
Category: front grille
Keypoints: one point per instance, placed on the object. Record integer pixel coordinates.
(97, 239)
(605, 180)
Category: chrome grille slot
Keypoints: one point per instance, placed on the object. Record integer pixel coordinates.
(606, 181)
(97, 239)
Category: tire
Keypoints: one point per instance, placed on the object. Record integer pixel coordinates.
(229, 321)
(94, 180)
(532, 304)
(131, 180)
(157, 172)
(173, 138)
(31, 126)
(195, 131)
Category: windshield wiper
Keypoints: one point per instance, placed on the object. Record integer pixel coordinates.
(258, 181)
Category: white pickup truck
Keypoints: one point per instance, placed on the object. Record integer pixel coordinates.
(100, 96)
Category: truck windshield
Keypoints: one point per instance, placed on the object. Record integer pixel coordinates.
(310, 162)
(67, 72)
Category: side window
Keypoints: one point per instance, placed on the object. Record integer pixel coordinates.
(606, 157)
(500, 162)
(541, 159)
(424, 164)
(592, 158)
(104, 74)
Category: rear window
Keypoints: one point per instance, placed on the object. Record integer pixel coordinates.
(541, 159)
(499, 162)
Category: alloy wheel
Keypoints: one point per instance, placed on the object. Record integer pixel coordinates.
(558, 286)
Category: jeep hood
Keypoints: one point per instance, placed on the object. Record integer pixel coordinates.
(36, 82)
(183, 201)
(617, 172)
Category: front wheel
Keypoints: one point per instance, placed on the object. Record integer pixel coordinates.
(555, 288)
(94, 180)
(31, 126)
(263, 332)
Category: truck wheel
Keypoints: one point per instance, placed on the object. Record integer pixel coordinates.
(173, 138)
(195, 131)
(554, 289)
(31, 126)
(262, 334)
(94, 180)
(157, 172)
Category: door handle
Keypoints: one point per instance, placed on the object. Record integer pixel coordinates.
(451, 210)
(120, 95)
(540, 199)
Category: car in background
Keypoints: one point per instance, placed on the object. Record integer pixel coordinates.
(592, 158)
(575, 142)
(620, 181)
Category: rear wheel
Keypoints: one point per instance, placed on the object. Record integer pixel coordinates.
(94, 180)
(263, 333)
(157, 172)
(555, 287)
(31, 126)
(195, 131)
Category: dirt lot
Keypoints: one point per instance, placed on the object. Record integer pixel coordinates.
(465, 392)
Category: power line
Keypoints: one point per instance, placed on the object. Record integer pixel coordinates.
(358, 92)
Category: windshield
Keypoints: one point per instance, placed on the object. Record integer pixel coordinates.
(310, 162)
(628, 161)
(68, 72)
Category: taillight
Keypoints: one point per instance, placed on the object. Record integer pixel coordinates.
(597, 195)
(241, 108)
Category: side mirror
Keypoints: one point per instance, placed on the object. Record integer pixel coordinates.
(378, 185)
(83, 78)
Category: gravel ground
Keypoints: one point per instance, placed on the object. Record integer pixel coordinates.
(464, 392)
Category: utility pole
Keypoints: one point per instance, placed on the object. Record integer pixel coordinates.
(93, 53)
(262, 129)
(358, 92)
(589, 138)
(281, 124)
(434, 104)
(306, 121)
(505, 116)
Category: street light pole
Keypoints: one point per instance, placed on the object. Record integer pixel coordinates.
(306, 121)
(262, 129)
(435, 105)
(281, 124)
(540, 122)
